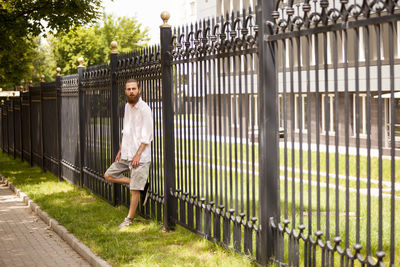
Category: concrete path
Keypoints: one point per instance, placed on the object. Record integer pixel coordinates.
(25, 240)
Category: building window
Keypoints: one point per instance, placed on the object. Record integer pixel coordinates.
(235, 111)
(253, 109)
(361, 114)
(280, 110)
(301, 118)
(328, 113)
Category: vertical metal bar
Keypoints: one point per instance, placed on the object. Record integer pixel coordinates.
(13, 108)
(218, 146)
(30, 126)
(182, 140)
(182, 129)
(201, 73)
(317, 130)
(393, 146)
(357, 126)
(300, 115)
(335, 78)
(268, 136)
(21, 131)
(292, 135)
(229, 95)
(368, 104)
(189, 156)
(328, 122)
(41, 128)
(285, 127)
(199, 156)
(380, 135)
(168, 129)
(346, 107)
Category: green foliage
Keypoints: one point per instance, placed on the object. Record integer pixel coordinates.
(22, 21)
(93, 43)
(43, 63)
(16, 62)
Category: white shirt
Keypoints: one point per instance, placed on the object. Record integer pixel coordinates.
(138, 129)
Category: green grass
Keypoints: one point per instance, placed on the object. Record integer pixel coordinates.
(95, 223)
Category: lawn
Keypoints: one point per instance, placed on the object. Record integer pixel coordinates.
(95, 223)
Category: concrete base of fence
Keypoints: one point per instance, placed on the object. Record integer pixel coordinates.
(60, 230)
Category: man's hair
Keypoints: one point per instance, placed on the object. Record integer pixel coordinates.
(133, 80)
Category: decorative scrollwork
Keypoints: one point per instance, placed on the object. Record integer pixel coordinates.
(217, 36)
(290, 14)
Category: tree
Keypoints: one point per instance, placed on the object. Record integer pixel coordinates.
(21, 21)
(16, 63)
(93, 42)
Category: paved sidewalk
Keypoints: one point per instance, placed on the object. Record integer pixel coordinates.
(25, 240)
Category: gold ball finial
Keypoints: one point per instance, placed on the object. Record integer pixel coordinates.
(165, 17)
(80, 61)
(114, 46)
(58, 70)
(42, 78)
(21, 88)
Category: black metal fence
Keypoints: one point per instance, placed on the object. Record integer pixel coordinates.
(275, 131)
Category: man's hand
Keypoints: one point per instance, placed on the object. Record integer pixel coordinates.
(135, 160)
(118, 156)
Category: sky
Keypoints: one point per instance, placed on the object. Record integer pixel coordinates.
(147, 12)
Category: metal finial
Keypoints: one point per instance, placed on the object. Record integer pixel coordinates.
(58, 70)
(80, 61)
(114, 46)
(165, 17)
(42, 78)
(21, 88)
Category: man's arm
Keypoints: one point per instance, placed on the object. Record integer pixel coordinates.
(118, 155)
(136, 158)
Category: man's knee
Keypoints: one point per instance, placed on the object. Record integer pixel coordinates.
(107, 177)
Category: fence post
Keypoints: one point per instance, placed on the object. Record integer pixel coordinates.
(13, 120)
(58, 104)
(169, 209)
(42, 120)
(30, 124)
(268, 134)
(20, 125)
(81, 109)
(114, 115)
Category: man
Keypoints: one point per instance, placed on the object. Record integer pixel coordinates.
(135, 152)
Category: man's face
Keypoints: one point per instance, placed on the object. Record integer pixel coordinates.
(132, 92)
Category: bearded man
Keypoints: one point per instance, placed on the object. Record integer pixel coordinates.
(134, 155)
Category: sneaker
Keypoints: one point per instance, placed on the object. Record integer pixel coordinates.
(127, 221)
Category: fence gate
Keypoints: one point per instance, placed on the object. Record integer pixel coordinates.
(335, 65)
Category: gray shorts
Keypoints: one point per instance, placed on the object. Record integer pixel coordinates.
(138, 175)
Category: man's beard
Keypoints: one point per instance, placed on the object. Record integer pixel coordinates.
(133, 99)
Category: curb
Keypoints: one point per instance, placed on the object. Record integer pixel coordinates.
(60, 230)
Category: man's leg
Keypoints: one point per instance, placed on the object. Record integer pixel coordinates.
(135, 194)
(123, 180)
